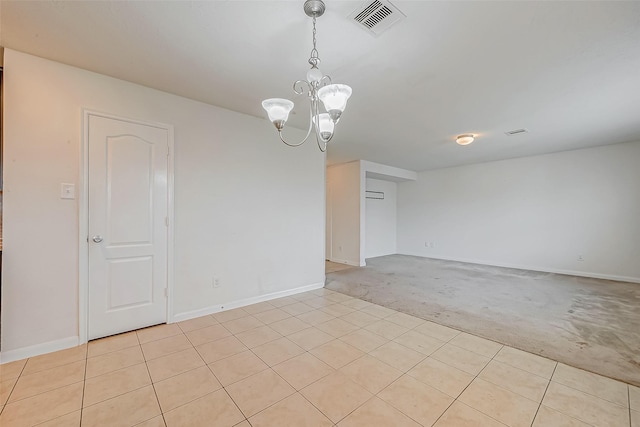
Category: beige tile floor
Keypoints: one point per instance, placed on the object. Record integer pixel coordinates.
(314, 359)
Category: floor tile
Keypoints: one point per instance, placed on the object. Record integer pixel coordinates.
(184, 388)
(259, 391)
(337, 327)
(337, 310)
(40, 382)
(216, 406)
(436, 331)
(386, 329)
(258, 336)
(634, 397)
(153, 422)
(371, 373)
(277, 351)
(55, 359)
(115, 383)
(158, 332)
(216, 350)
(6, 387)
(364, 340)
(244, 423)
(378, 413)
(225, 316)
(547, 417)
(43, 407)
(460, 358)
(259, 307)
(635, 419)
(419, 342)
(441, 376)
(12, 369)
(112, 343)
(314, 317)
(378, 311)
(237, 367)
(419, 401)
(398, 356)
(113, 361)
(476, 344)
(585, 407)
(281, 302)
(597, 385)
(319, 302)
(242, 324)
(360, 319)
(271, 316)
(293, 411)
(69, 420)
(336, 395)
(310, 338)
(208, 334)
(500, 404)
(197, 323)
(174, 364)
(358, 304)
(297, 308)
(405, 320)
(129, 409)
(303, 370)
(289, 326)
(338, 297)
(461, 415)
(305, 296)
(336, 353)
(526, 361)
(163, 347)
(516, 380)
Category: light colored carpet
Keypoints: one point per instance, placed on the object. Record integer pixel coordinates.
(588, 323)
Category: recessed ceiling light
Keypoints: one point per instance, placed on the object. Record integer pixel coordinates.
(465, 139)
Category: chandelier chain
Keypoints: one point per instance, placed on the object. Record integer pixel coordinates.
(314, 60)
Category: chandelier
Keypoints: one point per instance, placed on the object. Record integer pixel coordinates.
(319, 88)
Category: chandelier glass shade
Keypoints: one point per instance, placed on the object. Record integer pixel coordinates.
(320, 91)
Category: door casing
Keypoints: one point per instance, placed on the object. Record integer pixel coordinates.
(83, 232)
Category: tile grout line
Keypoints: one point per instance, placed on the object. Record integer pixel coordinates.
(544, 394)
(6, 403)
(629, 402)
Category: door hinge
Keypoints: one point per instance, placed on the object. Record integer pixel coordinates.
(168, 151)
(166, 292)
(166, 221)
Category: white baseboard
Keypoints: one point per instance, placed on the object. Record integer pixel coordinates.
(344, 261)
(243, 302)
(38, 349)
(534, 268)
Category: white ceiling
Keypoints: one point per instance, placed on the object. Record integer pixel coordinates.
(569, 72)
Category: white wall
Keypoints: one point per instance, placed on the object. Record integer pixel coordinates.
(537, 213)
(344, 194)
(380, 219)
(238, 213)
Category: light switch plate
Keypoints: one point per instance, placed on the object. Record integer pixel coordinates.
(67, 191)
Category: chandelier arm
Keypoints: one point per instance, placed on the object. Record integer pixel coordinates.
(324, 81)
(299, 83)
(308, 132)
(322, 143)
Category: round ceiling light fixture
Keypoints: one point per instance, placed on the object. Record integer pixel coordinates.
(465, 139)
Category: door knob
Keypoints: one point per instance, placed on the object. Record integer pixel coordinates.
(97, 239)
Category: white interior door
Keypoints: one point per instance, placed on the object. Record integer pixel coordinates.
(127, 224)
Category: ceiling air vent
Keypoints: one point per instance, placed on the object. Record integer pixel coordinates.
(376, 16)
(516, 132)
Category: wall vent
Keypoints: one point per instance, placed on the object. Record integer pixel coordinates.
(516, 132)
(376, 16)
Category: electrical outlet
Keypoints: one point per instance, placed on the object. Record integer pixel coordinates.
(216, 282)
(432, 245)
(580, 258)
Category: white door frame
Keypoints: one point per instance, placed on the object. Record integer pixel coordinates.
(83, 205)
